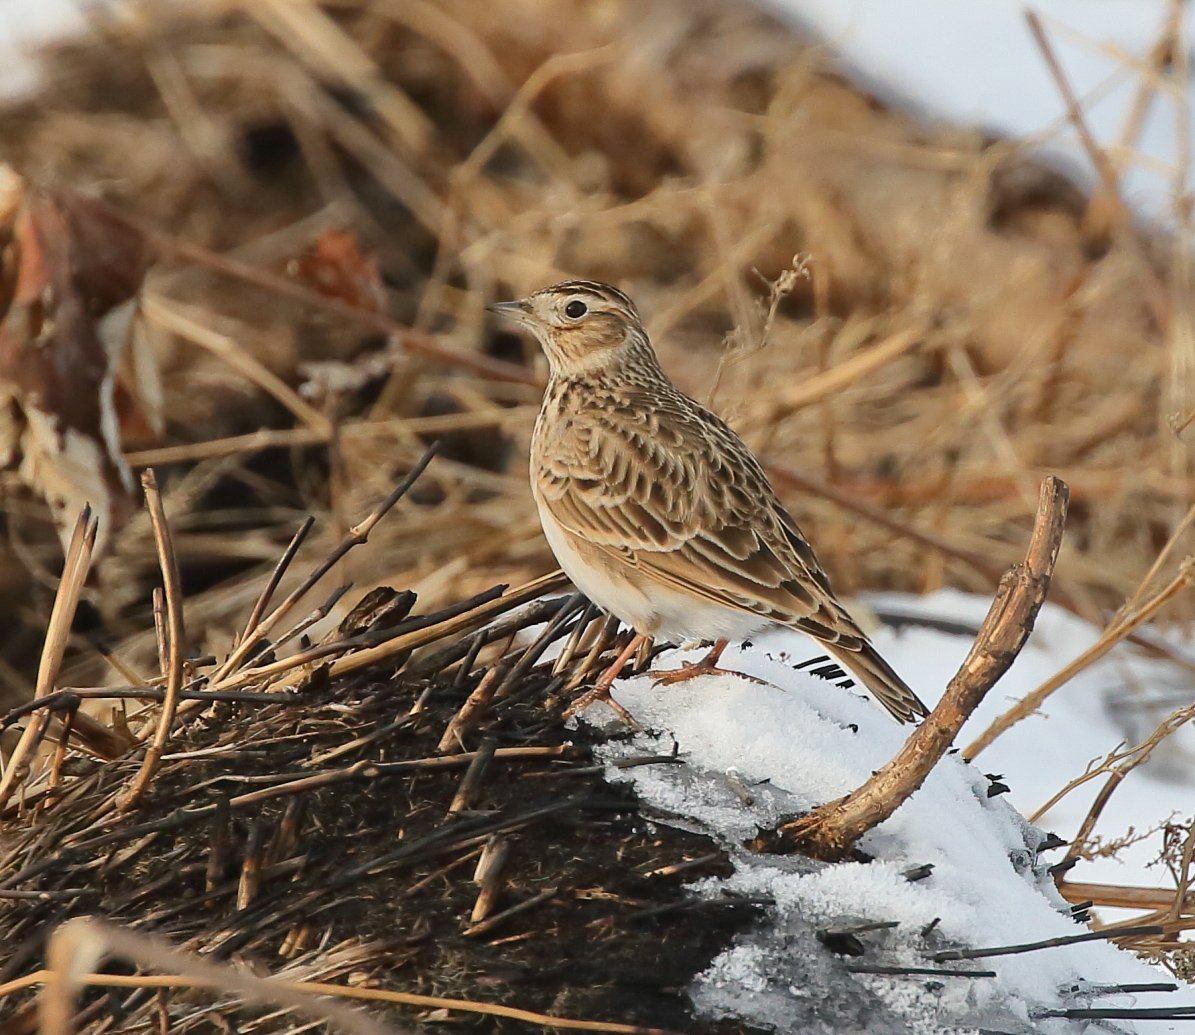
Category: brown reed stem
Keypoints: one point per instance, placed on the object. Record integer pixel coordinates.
(81, 942)
(66, 601)
(1154, 290)
(175, 639)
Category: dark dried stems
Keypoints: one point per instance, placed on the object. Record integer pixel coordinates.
(465, 622)
(64, 699)
(356, 535)
(498, 680)
(1125, 1013)
(267, 591)
(555, 629)
(877, 968)
(368, 769)
(314, 617)
(829, 832)
(947, 955)
(423, 629)
(468, 649)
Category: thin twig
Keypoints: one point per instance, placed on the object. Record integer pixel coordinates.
(172, 581)
(1047, 943)
(357, 535)
(267, 591)
(1118, 764)
(1111, 636)
(66, 601)
(62, 698)
(1122, 1013)
(879, 968)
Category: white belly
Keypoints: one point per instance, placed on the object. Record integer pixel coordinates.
(653, 609)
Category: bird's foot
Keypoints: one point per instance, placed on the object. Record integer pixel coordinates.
(602, 693)
(707, 666)
(692, 669)
(601, 689)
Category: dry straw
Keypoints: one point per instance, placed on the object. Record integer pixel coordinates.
(926, 322)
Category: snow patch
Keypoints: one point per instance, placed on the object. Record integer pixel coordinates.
(756, 750)
(1119, 699)
(977, 63)
(24, 27)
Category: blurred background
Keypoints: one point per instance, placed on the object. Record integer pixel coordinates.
(919, 255)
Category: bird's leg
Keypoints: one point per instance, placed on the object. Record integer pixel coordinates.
(601, 689)
(707, 666)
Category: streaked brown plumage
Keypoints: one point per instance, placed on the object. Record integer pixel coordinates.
(656, 509)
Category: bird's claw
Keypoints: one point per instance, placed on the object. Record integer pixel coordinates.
(601, 693)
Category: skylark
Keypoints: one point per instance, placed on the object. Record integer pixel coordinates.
(657, 510)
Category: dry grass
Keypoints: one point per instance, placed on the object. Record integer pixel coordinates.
(913, 324)
(960, 331)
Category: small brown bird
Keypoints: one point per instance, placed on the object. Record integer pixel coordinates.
(657, 510)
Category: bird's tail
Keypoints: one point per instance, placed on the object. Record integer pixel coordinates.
(881, 679)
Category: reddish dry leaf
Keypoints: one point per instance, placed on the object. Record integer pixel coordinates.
(68, 280)
(335, 267)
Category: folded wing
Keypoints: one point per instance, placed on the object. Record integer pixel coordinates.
(671, 490)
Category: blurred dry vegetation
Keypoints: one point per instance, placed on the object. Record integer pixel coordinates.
(250, 245)
(912, 318)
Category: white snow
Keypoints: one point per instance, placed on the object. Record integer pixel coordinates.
(755, 752)
(26, 25)
(1118, 700)
(976, 63)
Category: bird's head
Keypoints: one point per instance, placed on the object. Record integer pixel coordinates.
(581, 325)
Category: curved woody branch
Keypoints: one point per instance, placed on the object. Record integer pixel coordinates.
(830, 831)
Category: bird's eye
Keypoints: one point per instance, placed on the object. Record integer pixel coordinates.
(575, 309)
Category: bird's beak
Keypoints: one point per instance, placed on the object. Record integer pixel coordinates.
(519, 312)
